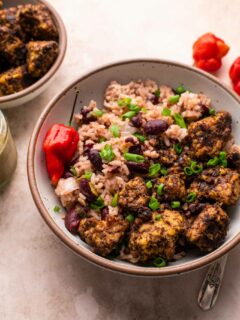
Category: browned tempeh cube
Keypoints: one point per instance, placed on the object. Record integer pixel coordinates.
(8, 18)
(14, 80)
(41, 55)
(11, 47)
(36, 20)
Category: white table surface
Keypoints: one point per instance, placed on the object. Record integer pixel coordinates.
(39, 277)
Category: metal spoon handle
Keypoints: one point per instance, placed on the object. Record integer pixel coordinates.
(211, 285)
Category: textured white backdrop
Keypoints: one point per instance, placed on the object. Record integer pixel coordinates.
(39, 277)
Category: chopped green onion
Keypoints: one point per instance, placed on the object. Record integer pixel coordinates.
(222, 155)
(154, 169)
(193, 169)
(178, 148)
(154, 204)
(140, 137)
(212, 111)
(159, 262)
(129, 115)
(97, 204)
(196, 168)
(188, 171)
(175, 204)
(179, 120)
(149, 184)
(213, 162)
(174, 99)
(160, 188)
(124, 101)
(158, 217)
(223, 159)
(133, 157)
(157, 93)
(56, 209)
(97, 113)
(73, 171)
(87, 175)
(224, 163)
(164, 171)
(134, 107)
(180, 89)
(130, 218)
(102, 139)
(107, 153)
(121, 103)
(115, 130)
(166, 112)
(191, 197)
(144, 110)
(114, 201)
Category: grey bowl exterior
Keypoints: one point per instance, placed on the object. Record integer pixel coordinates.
(91, 86)
(19, 98)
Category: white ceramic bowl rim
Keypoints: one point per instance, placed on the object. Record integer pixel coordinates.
(84, 252)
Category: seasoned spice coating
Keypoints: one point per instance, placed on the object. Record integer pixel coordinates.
(174, 187)
(8, 18)
(14, 80)
(103, 235)
(134, 194)
(41, 55)
(11, 47)
(158, 237)
(208, 136)
(220, 184)
(209, 228)
(4, 64)
(167, 156)
(36, 20)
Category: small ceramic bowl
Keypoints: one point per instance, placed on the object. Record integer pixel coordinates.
(19, 98)
(92, 86)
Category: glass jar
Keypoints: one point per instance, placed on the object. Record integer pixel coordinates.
(8, 152)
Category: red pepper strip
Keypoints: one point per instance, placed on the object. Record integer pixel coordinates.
(208, 51)
(55, 167)
(59, 145)
(234, 74)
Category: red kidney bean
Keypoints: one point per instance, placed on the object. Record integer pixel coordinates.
(86, 189)
(154, 99)
(137, 167)
(155, 126)
(72, 220)
(67, 174)
(130, 140)
(87, 116)
(95, 159)
(135, 149)
(137, 120)
(204, 110)
(104, 213)
(87, 148)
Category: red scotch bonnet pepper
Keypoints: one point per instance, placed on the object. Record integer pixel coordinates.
(234, 74)
(208, 51)
(59, 146)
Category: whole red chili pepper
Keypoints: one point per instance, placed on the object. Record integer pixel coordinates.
(208, 51)
(59, 146)
(234, 74)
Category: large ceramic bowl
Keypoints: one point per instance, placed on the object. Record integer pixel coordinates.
(92, 86)
(38, 87)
